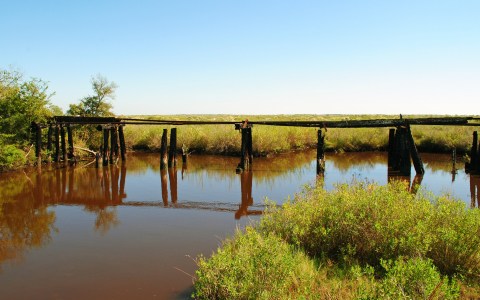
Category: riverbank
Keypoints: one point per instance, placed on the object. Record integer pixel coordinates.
(358, 241)
(223, 139)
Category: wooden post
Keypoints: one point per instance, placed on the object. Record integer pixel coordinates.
(163, 151)
(113, 144)
(391, 148)
(402, 155)
(320, 152)
(249, 146)
(71, 154)
(417, 161)
(56, 157)
(244, 159)
(105, 147)
(172, 153)
(49, 141)
(473, 154)
(121, 136)
(64, 145)
(38, 142)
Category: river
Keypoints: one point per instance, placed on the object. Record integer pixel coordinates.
(131, 231)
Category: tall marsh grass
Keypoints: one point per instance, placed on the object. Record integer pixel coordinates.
(363, 241)
(223, 139)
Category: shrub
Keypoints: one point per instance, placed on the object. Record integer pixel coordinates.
(253, 266)
(11, 157)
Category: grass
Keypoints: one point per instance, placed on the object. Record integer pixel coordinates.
(223, 139)
(360, 241)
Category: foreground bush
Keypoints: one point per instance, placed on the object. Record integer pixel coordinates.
(255, 266)
(364, 223)
(11, 157)
(366, 241)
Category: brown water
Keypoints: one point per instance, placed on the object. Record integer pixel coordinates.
(131, 231)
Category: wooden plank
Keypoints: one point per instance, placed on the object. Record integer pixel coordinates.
(105, 147)
(63, 144)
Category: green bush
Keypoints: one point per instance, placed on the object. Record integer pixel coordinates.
(255, 266)
(11, 157)
(415, 279)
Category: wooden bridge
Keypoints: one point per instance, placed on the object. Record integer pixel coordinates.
(401, 146)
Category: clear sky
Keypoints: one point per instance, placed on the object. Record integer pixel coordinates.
(252, 57)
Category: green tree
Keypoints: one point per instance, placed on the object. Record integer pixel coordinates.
(98, 104)
(21, 102)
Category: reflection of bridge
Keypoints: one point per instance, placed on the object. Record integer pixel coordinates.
(105, 187)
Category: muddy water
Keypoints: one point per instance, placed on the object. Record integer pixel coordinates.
(132, 231)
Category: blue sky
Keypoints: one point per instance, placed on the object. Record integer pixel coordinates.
(252, 57)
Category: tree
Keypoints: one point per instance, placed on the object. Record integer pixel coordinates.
(21, 102)
(96, 105)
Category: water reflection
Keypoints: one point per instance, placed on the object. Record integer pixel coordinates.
(475, 191)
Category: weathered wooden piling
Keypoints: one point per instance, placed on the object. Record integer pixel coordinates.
(49, 141)
(71, 154)
(472, 167)
(121, 137)
(38, 142)
(172, 153)
(391, 148)
(57, 144)
(401, 155)
(105, 147)
(417, 161)
(113, 144)
(63, 144)
(245, 156)
(249, 146)
(163, 150)
(320, 152)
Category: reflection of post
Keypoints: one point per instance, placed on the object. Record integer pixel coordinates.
(115, 192)
(163, 178)
(106, 184)
(475, 190)
(417, 181)
(246, 179)
(172, 177)
(123, 175)
(184, 169)
(64, 184)
(71, 180)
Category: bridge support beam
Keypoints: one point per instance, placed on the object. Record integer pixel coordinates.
(172, 153)
(105, 147)
(320, 153)
(163, 151)
(71, 154)
(121, 137)
(49, 141)
(64, 145)
(401, 148)
(473, 166)
(113, 144)
(37, 130)
(246, 150)
(57, 144)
